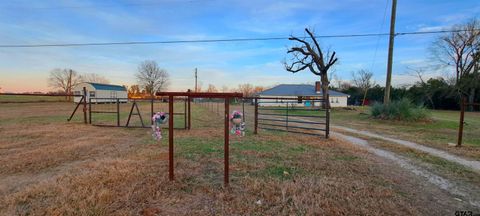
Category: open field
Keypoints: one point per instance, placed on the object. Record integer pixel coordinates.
(26, 99)
(438, 133)
(53, 167)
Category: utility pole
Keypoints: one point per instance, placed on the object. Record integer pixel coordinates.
(195, 79)
(386, 97)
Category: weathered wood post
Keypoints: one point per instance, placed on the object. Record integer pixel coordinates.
(461, 123)
(85, 105)
(327, 126)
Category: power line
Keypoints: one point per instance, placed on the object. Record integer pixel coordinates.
(219, 40)
(136, 4)
(378, 38)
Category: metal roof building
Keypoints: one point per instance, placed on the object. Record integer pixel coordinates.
(337, 99)
(101, 93)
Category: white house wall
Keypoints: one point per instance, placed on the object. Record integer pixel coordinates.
(100, 95)
(79, 90)
(340, 101)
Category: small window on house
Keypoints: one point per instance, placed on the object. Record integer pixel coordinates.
(336, 101)
(92, 93)
(77, 93)
(299, 99)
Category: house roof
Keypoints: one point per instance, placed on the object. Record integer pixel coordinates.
(298, 90)
(100, 86)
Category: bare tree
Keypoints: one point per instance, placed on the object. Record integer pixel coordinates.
(134, 91)
(246, 89)
(309, 55)
(258, 89)
(95, 78)
(211, 88)
(225, 88)
(151, 77)
(363, 80)
(459, 48)
(64, 80)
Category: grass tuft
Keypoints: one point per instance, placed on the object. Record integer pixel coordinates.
(403, 110)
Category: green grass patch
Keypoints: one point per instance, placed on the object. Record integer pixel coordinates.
(30, 99)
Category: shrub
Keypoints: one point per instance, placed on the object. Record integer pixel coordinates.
(403, 110)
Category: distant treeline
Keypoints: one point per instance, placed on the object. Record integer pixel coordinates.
(435, 93)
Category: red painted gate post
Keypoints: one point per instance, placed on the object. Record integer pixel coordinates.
(227, 141)
(256, 115)
(170, 137)
(189, 112)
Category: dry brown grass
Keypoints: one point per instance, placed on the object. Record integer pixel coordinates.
(58, 168)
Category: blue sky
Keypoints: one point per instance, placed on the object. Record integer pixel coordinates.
(229, 64)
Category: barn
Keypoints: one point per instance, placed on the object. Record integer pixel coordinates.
(304, 92)
(101, 93)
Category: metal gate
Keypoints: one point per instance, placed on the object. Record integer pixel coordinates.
(294, 115)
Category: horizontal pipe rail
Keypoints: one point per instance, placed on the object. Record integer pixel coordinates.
(103, 112)
(104, 125)
(306, 128)
(296, 127)
(270, 114)
(282, 130)
(285, 98)
(294, 121)
(308, 116)
(267, 124)
(284, 101)
(290, 109)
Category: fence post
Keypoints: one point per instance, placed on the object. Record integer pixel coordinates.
(227, 141)
(185, 114)
(462, 116)
(118, 112)
(89, 110)
(85, 105)
(151, 111)
(327, 125)
(286, 118)
(189, 119)
(256, 116)
(170, 137)
(243, 109)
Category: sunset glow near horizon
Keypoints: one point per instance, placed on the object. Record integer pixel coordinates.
(223, 63)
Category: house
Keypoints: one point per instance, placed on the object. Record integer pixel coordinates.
(101, 93)
(304, 92)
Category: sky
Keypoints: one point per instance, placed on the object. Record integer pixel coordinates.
(221, 64)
